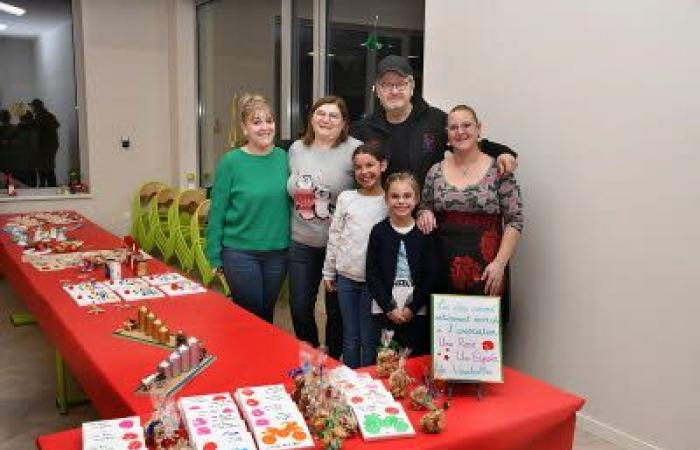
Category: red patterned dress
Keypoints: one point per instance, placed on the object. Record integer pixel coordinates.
(470, 226)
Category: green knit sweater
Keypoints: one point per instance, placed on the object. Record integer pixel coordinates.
(250, 207)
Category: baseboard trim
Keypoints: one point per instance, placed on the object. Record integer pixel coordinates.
(612, 434)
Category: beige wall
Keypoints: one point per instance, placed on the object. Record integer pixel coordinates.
(601, 100)
(127, 92)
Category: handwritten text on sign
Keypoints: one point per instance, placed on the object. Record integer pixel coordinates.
(467, 338)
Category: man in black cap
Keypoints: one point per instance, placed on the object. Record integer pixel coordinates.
(411, 133)
(47, 124)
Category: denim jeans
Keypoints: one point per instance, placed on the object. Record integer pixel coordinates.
(360, 334)
(305, 265)
(255, 278)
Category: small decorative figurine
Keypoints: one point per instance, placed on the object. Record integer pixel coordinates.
(420, 398)
(399, 380)
(387, 356)
(434, 421)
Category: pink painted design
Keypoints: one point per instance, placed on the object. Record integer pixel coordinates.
(128, 423)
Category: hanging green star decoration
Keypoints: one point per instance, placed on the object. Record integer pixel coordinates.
(372, 43)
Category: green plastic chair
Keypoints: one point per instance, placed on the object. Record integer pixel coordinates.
(160, 219)
(187, 203)
(198, 236)
(143, 208)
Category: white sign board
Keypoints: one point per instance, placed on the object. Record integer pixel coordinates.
(466, 338)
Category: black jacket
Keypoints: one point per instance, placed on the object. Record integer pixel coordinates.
(382, 250)
(427, 139)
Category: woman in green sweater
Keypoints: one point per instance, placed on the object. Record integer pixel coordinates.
(248, 231)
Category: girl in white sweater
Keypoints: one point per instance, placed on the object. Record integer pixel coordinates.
(357, 211)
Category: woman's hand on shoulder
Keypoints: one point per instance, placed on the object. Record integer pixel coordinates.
(425, 220)
(507, 164)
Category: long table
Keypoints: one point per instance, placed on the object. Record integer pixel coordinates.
(522, 413)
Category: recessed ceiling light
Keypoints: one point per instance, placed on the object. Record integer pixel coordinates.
(6, 7)
(3, 26)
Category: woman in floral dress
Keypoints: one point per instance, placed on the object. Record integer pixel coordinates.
(477, 213)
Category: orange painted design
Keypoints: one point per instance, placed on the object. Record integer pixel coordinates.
(291, 428)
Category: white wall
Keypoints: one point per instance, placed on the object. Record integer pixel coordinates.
(56, 82)
(17, 80)
(601, 100)
(127, 92)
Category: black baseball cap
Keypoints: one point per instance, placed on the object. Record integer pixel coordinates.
(394, 63)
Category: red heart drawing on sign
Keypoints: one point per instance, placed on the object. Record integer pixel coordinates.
(487, 345)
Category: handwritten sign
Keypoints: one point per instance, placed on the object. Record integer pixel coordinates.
(466, 338)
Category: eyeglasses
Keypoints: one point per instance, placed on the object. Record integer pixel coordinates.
(388, 87)
(465, 126)
(331, 116)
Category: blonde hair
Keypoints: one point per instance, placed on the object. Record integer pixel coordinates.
(466, 108)
(243, 108)
(405, 177)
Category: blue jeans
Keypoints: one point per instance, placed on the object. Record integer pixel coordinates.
(255, 278)
(360, 336)
(305, 266)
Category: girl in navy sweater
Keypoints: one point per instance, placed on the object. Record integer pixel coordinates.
(401, 269)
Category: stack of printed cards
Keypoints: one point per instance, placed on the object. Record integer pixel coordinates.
(91, 293)
(378, 415)
(136, 293)
(213, 421)
(273, 417)
(117, 434)
(182, 288)
(161, 279)
(132, 289)
(125, 283)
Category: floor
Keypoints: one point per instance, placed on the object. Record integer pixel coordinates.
(27, 383)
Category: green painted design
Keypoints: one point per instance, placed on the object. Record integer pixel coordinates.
(374, 423)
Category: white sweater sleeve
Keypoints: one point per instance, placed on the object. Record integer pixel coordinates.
(334, 234)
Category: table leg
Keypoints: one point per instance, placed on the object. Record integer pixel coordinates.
(21, 319)
(64, 400)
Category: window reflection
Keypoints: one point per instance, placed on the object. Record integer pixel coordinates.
(38, 120)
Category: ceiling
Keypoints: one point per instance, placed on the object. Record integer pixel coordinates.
(41, 16)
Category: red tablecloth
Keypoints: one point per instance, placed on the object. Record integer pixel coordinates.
(520, 414)
(523, 413)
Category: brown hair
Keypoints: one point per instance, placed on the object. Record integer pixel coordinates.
(468, 109)
(243, 109)
(372, 150)
(309, 135)
(406, 177)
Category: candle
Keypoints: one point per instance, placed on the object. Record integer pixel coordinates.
(184, 352)
(141, 319)
(195, 351)
(176, 363)
(156, 328)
